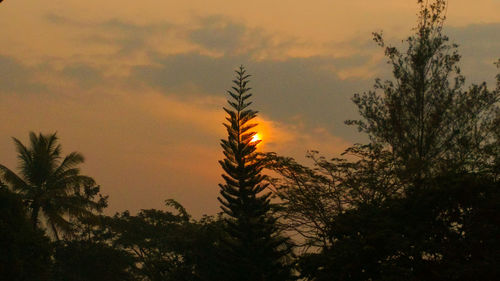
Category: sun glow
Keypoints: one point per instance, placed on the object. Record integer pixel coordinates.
(256, 138)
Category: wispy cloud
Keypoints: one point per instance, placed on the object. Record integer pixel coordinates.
(17, 78)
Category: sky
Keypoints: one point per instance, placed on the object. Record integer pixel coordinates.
(138, 86)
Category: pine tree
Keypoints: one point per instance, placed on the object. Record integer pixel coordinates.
(254, 250)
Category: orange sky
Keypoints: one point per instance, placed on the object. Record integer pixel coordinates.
(138, 86)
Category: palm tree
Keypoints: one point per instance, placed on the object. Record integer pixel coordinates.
(51, 185)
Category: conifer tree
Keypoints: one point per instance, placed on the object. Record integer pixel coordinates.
(254, 250)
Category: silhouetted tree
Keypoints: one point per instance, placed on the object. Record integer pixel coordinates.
(168, 245)
(414, 205)
(313, 197)
(24, 251)
(90, 260)
(494, 148)
(424, 116)
(153, 236)
(254, 249)
(51, 185)
(446, 230)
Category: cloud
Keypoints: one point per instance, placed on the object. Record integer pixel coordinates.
(479, 45)
(190, 72)
(306, 87)
(49, 77)
(127, 37)
(214, 35)
(85, 75)
(17, 78)
(58, 19)
(217, 34)
(224, 36)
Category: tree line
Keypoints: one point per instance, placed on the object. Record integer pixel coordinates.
(418, 201)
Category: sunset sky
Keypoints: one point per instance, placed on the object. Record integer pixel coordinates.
(138, 86)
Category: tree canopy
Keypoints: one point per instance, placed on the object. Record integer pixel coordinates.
(254, 249)
(51, 185)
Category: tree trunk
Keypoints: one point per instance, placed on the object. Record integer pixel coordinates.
(34, 214)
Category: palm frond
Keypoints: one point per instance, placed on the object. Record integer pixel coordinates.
(13, 180)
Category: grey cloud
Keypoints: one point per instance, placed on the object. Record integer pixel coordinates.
(360, 43)
(304, 87)
(86, 76)
(476, 35)
(214, 33)
(146, 29)
(178, 72)
(479, 45)
(127, 36)
(58, 19)
(131, 37)
(219, 34)
(15, 77)
(110, 24)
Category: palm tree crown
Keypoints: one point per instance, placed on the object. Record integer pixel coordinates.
(51, 185)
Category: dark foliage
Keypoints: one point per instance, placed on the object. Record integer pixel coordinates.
(81, 260)
(51, 185)
(254, 249)
(423, 115)
(446, 230)
(168, 245)
(419, 202)
(24, 251)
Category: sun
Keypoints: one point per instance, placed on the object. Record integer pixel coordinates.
(256, 138)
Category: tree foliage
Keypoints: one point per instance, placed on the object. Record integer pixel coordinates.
(168, 245)
(424, 115)
(417, 202)
(25, 252)
(444, 231)
(313, 197)
(51, 185)
(82, 260)
(254, 249)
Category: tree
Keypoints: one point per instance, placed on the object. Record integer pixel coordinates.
(419, 202)
(25, 252)
(494, 148)
(424, 116)
(439, 138)
(254, 250)
(168, 245)
(312, 198)
(82, 260)
(446, 230)
(91, 253)
(51, 185)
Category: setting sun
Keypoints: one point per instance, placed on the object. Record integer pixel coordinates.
(256, 137)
